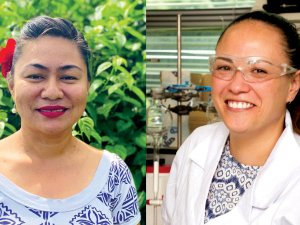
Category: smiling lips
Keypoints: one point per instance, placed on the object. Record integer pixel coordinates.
(52, 111)
(239, 105)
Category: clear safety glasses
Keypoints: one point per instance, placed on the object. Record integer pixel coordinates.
(254, 69)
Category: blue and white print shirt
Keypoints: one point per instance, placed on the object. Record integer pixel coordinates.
(229, 183)
(110, 199)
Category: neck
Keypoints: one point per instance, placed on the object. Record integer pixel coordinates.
(254, 148)
(45, 146)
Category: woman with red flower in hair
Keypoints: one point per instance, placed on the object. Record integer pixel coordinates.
(47, 176)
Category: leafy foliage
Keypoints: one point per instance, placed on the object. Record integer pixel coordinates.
(115, 31)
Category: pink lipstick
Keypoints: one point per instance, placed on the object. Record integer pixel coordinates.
(52, 111)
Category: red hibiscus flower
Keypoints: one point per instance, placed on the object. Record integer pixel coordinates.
(6, 56)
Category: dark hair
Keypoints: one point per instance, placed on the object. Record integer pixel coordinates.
(56, 27)
(291, 46)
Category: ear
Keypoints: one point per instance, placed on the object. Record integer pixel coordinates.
(294, 86)
(10, 83)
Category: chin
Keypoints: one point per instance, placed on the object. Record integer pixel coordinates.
(56, 131)
(238, 130)
(238, 125)
(54, 128)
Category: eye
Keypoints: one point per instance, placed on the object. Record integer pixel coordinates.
(35, 77)
(261, 68)
(220, 65)
(259, 71)
(68, 78)
(224, 67)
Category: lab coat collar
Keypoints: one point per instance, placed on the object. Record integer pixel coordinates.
(283, 161)
(281, 164)
(203, 159)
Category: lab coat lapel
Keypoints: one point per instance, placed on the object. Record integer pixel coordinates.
(275, 174)
(205, 158)
(273, 177)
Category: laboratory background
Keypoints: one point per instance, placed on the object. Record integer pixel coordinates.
(181, 35)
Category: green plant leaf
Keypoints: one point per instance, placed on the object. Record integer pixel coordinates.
(86, 125)
(121, 39)
(96, 145)
(140, 140)
(119, 92)
(132, 101)
(139, 158)
(139, 93)
(10, 127)
(119, 61)
(131, 149)
(3, 116)
(138, 178)
(135, 33)
(143, 170)
(95, 85)
(142, 199)
(102, 67)
(123, 125)
(107, 139)
(114, 87)
(75, 133)
(120, 150)
(106, 108)
(97, 137)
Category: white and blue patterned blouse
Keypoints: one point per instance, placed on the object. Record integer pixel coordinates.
(109, 199)
(229, 183)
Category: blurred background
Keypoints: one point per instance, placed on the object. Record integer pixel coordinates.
(115, 113)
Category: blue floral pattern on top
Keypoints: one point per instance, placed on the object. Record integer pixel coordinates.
(229, 183)
(113, 202)
(45, 215)
(108, 200)
(129, 208)
(7, 217)
(90, 216)
(119, 175)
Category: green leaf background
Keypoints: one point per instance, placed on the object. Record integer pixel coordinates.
(115, 31)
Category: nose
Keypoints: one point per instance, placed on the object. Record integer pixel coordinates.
(52, 90)
(238, 83)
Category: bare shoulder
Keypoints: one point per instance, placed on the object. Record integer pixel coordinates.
(7, 143)
(8, 153)
(95, 152)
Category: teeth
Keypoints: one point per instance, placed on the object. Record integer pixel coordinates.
(239, 105)
(55, 110)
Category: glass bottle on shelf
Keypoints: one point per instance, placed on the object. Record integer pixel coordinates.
(159, 120)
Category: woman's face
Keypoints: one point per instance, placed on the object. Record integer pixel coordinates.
(50, 85)
(252, 107)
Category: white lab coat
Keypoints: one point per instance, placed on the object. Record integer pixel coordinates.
(274, 197)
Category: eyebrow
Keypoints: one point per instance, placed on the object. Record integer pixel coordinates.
(62, 68)
(224, 58)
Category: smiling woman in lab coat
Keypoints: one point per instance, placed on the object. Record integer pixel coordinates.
(245, 170)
